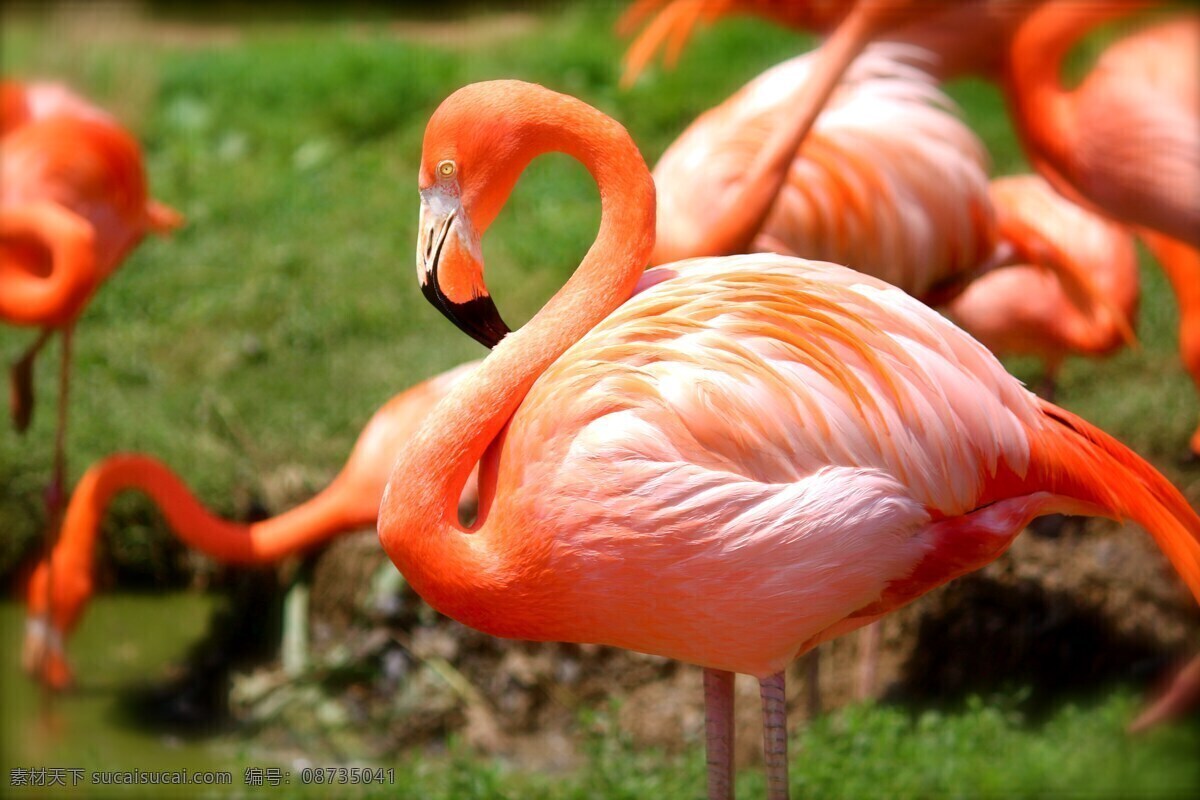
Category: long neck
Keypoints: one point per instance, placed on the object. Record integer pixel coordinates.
(1042, 109)
(418, 522)
(230, 542)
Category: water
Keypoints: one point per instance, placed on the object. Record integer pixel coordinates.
(123, 642)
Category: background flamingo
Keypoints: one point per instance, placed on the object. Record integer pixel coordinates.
(1026, 309)
(1125, 141)
(890, 180)
(73, 203)
(753, 455)
(350, 502)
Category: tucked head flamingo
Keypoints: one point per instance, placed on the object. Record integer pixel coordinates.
(1022, 308)
(751, 455)
(73, 203)
(350, 502)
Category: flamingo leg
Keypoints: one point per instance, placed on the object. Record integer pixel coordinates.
(869, 639)
(55, 491)
(718, 730)
(810, 665)
(54, 498)
(1182, 696)
(774, 702)
(21, 382)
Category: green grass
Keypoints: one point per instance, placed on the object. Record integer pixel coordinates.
(249, 349)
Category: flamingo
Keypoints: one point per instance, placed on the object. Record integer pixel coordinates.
(350, 502)
(1024, 309)
(1126, 141)
(750, 455)
(73, 203)
(890, 180)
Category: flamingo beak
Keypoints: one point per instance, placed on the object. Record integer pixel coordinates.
(450, 268)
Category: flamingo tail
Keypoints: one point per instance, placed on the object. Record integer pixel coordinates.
(1079, 460)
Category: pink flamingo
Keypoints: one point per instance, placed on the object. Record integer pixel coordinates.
(73, 203)
(1025, 309)
(889, 181)
(350, 502)
(752, 455)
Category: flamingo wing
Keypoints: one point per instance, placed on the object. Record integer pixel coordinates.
(757, 437)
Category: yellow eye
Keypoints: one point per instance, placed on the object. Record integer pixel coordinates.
(446, 169)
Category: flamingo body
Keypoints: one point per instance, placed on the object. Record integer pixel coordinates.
(635, 449)
(889, 180)
(89, 169)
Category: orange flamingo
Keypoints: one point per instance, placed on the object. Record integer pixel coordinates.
(350, 502)
(73, 203)
(1025, 309)
(1126, 141)
(890, 181)
(751, 455)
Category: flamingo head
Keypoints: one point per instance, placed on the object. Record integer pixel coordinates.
(476, 145)
(54, 605)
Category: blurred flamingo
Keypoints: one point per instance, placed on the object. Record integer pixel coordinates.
(751, 455)
(21, 103)
(890, 181)
(73, 203)
(1126, 141)
(350, 502)
(1024, 309)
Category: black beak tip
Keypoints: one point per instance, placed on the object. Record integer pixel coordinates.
(478, 317)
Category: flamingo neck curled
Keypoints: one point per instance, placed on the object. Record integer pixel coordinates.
(1042, 108)
(230, 542)
(418, 524)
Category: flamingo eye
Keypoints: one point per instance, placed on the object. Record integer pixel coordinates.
(446, 169)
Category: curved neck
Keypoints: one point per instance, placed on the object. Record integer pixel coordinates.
(35, 231)
(418, 521)
(1042, 109)
(226, 541)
